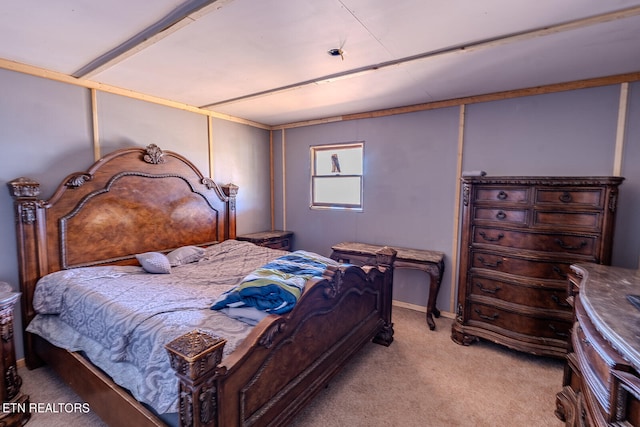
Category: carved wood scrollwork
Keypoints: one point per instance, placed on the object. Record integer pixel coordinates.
(27, 212)
(6, 325)
(78, 180)
(268, 338)
(385, 335)
(211, 185)
(206, 397)
(154, 155)
(208, 406)
(334, 286)
(13, 382)
(613, 201)
(459, 313)
(465, 194)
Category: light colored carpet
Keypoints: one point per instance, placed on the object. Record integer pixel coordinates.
(423, 379)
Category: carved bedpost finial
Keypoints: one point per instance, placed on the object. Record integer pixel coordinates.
(24, 187)
(231, 190)
(25, 192)
(154, 155)
(195, 356)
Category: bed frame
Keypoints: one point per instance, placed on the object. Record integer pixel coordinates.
(137, 200)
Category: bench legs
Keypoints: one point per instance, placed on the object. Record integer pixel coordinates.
(435, 274)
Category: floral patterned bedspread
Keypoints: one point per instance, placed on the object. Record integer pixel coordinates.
(121, 317)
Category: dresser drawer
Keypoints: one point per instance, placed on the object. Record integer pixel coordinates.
(596, 358)
(536, 326)
(589, 221)
(526, 267)
(509, 216)
(547, 242)
(498, 195)
(591, 197)
(532, 295)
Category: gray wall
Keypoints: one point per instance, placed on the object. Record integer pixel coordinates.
(409, 189)
(626, 250)
(410, 163)
(410, 171)
(47, 133)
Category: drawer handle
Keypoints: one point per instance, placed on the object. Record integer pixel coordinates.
(559, 272)
(558, 333)
(563, 245)
(488, 290)
(558, 301)
(565, 197)
(485, 317)
(488, 264)
(502, 195)
(491, 239)
(501, 215)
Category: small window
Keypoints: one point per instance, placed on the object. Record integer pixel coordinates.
(336, 176)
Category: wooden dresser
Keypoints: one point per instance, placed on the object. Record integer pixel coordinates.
(519, 237)
(601, 385)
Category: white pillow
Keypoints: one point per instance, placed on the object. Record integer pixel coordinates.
(185, 255)
(154, 262)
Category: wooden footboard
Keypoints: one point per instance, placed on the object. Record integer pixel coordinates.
(286, 360)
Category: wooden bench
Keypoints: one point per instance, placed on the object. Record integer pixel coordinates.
(431, 262)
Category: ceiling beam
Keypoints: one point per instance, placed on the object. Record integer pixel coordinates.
(475, 99)
(481, 44)
(180, 17)
(6, 64)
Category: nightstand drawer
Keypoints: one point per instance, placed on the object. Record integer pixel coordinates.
(276, 239)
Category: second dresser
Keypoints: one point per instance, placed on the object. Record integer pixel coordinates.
(519, 236)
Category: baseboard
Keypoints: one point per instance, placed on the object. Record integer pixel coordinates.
(421, 308)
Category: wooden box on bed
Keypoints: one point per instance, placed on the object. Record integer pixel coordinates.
(138, 200)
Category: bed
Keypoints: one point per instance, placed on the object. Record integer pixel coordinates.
(151, 201)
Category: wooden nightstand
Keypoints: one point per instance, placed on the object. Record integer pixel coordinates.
(15, 404)
(276, 239)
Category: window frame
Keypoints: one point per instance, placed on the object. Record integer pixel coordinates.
(314, 204)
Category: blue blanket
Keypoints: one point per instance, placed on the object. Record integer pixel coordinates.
(276, 287)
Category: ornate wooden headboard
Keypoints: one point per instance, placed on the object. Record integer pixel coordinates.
(131, 201)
